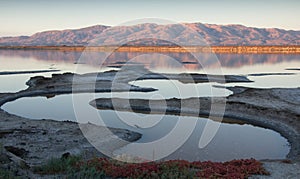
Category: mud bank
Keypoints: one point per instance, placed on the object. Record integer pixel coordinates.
(26, 72)
(27, 143)
(31, 142)
(38, 140)
(277, 109)
(43, 139)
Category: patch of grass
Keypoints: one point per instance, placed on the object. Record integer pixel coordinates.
(6, 174)
(86, 172)
(58, 165)
(69, 168)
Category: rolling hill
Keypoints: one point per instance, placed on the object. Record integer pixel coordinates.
(154, 34)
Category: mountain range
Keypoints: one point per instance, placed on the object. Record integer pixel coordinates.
(154, 34)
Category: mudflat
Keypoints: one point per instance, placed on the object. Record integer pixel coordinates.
(31, 142)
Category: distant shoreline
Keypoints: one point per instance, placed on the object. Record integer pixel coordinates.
(292, 49)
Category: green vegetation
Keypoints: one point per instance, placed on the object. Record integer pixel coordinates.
(70, 166)
(58, 165)
(4, 172)
(67, 166)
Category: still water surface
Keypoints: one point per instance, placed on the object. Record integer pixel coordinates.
(24, 60)
(231, 141)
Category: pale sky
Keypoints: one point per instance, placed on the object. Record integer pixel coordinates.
(26, 17)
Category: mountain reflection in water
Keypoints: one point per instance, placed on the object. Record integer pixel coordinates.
(152, 60)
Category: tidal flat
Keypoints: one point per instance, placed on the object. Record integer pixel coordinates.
(32, 142)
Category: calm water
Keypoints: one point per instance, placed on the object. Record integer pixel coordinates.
(22, 60)
(14, 60)
(231, 140)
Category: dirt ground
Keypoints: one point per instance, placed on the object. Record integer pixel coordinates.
(27, 142)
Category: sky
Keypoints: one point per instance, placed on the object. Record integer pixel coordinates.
(26, 17)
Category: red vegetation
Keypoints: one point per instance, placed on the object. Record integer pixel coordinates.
(176, 168)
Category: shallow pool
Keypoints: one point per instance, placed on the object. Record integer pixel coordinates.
(167, 136)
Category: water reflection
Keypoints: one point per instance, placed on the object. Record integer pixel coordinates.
(231, 142)
(70, 61)
(271, 81)
(236, 141)
(158, 61)
(13, 83)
